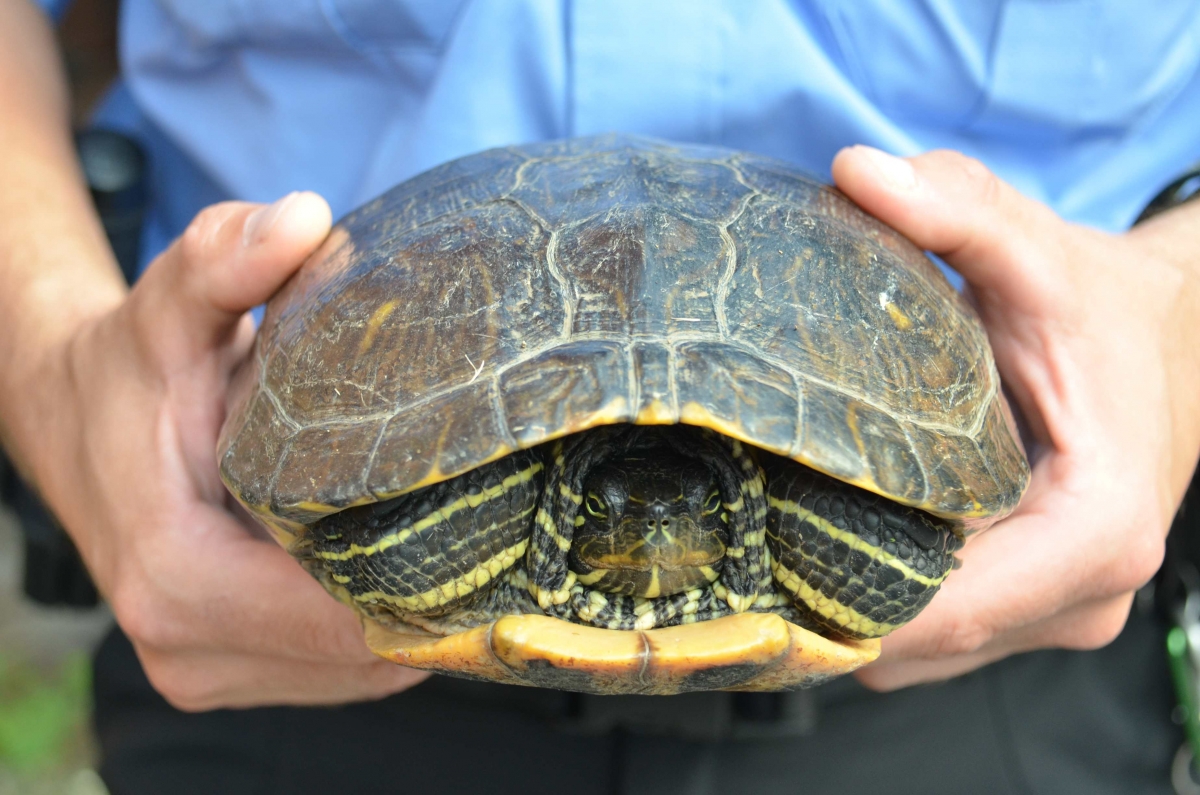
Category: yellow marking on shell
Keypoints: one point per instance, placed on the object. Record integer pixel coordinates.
(517, 649)
(437, 517)
(373, 325)
(436, 475)
(693, 413)
(829, 608)
(901, 320)
(855, 542)
(656, 413)
(551, 529)
(455, 589)
(612, 412)
(316, 507)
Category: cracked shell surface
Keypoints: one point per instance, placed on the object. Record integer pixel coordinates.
(521, 294)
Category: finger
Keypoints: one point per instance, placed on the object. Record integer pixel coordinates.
(1083, 627)
(1033, 567)
(955, 207)
(195, 682)
(232, 257)
(202, 582)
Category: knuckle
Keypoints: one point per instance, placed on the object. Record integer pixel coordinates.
(1143, 562)
(1138, 557)
(960, 636)
(1099, 630)
(983, 185)
(198, 240)
(143, 619)
(186, 690)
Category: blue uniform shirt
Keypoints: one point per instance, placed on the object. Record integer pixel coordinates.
(1088, 105)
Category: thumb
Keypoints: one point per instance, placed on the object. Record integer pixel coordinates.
(232, 257)
(951, 204)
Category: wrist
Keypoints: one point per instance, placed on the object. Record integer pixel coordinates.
(45, 309)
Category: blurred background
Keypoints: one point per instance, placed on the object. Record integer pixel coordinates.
(45, 680)
(46, 745)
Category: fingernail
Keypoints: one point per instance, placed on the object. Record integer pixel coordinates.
(895, 172)
(259, 223)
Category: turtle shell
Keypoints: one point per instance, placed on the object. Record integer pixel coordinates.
(518, 295)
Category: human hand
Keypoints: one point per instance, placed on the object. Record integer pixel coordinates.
(1095, 337)
(129, 409)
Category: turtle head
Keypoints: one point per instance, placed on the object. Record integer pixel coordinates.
(651, 525)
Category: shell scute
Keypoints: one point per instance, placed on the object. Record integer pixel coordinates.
(567, 388)
(523, 294)
(838, 310)
(438, 439)
(450, 302)
(723, 385)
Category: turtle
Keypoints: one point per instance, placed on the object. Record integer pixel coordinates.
(617, 415)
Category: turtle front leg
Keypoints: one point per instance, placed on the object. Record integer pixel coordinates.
(438, 557)
(860, 565)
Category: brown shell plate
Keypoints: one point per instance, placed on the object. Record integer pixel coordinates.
(519, 295)
(748, 651)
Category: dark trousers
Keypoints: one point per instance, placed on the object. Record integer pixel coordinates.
(1048, 722)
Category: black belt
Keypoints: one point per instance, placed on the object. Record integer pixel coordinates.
(706, 716)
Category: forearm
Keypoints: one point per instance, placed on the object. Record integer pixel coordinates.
(56, 269)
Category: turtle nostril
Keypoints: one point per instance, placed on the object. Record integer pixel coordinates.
(665, 523)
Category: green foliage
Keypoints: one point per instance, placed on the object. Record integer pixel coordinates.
(42, 714)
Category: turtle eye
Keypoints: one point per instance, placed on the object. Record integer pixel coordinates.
(595, 506)
(712, 503)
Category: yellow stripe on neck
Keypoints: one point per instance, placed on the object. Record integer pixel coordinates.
(853, 541)
(436, 517)
(455, 589)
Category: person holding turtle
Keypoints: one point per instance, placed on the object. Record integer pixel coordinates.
(112, 399)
